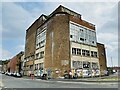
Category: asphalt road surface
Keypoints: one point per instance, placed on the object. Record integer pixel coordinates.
(12, 82)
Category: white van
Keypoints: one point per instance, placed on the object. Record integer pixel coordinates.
(86, 73)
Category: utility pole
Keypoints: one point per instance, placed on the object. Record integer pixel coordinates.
(111, 62)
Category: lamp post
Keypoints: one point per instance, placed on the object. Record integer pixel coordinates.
(111, 62)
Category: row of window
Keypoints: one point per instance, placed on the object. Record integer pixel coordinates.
(40, 55)
(39, 66)
(41, 39)
(39, 30)
(77, 38)
(82, 35)
(29, 67)
(84, 64)
(40, 44)
(77, 51)
(82, 29)
(29, 58)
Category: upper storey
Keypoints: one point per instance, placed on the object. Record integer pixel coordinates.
(75, 17)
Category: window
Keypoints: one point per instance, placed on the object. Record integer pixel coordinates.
(86, 64)
(41, 38)
(92, 54)
(87, 53)
(95, 54)
(94, 65)
(74, 64)
(37, 55)
(71, 36)
(81, 30)
(78, 51)
(74, 51)
(31, 67)
(72, 26)
(82, 39)
(83, 52)
(93, 42)
(82, 35)
(42, 54)
(36, 66)
(41, 66)
(77, 64)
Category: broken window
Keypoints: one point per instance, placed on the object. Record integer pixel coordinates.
(87, 53)
(42, 54)
(94, 65)
(83, 52)
(71, 36)
(86, 64)
(95, 54)
(82, 39)
(92, 54)
(78, 51)
(74, 51)
(37, 55)
(77, 64)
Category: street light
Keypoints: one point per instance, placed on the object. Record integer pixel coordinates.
(111, 62)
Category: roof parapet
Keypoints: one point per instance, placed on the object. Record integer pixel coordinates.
(89, 23)
(64, 9)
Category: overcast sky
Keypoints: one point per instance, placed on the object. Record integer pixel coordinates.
(16, 17)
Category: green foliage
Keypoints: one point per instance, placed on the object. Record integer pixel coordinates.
(4, 62)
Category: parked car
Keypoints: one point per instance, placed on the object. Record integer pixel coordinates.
(12, 74)
(97, 73)
(75, 76)
(44, 77)
(3, 72)
(15, 74)
(86, 73)
(18, 75)
(6, 73)
(9, 74)
(66, 76)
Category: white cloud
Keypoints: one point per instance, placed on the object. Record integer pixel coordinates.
(20, 48)
(14, 20)
(0, 21)
(107, 37)
(111, 48)
(60, 0)
(5, 54)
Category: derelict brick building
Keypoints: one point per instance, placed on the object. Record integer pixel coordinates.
(14, 65)
(60, 42)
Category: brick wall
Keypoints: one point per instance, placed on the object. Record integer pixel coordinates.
(57, 43)
(102, 57)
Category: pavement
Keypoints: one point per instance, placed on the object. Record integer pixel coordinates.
(27, 82)
(104, 79)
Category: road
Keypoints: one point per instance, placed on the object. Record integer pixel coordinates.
(12, 82)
